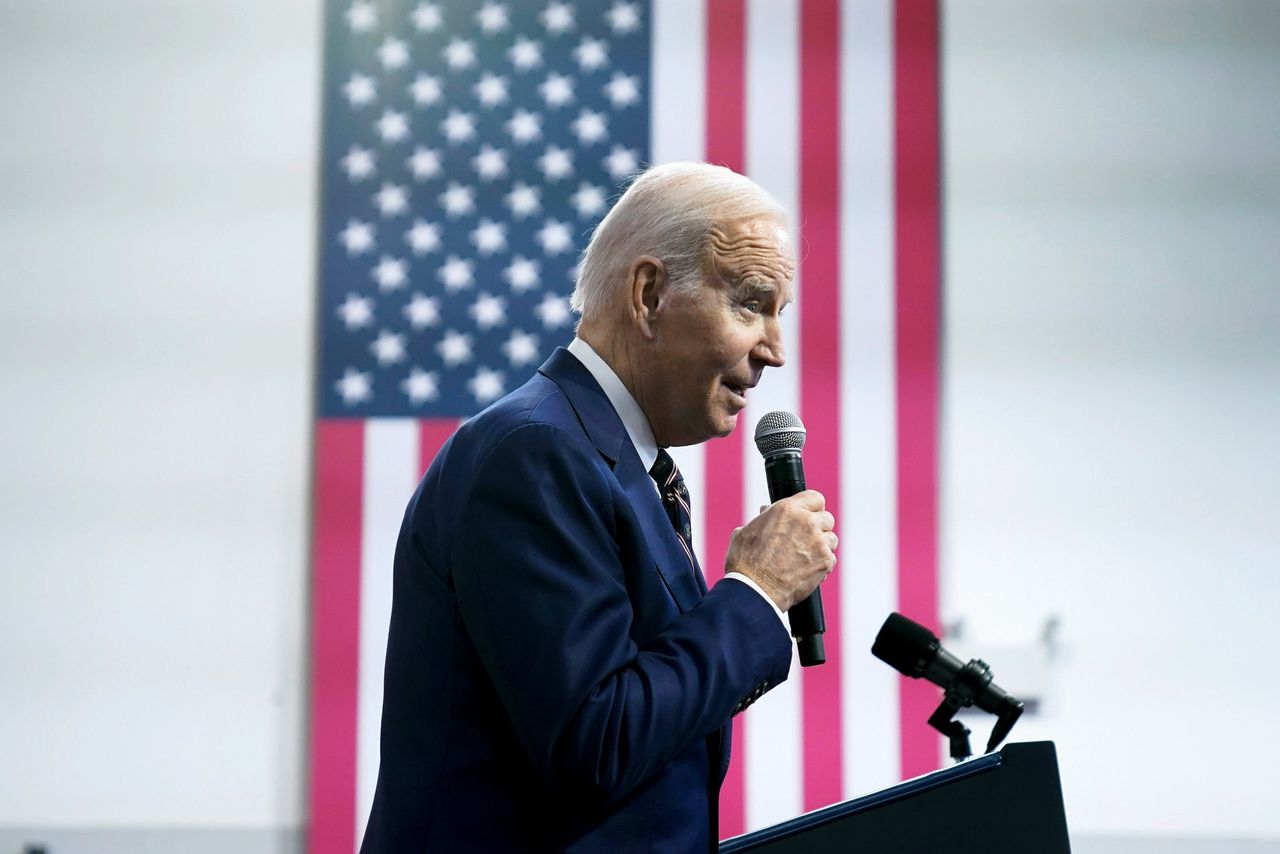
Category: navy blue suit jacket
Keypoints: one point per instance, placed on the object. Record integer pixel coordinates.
(557, 676)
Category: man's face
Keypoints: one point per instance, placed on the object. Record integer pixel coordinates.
(713, 345)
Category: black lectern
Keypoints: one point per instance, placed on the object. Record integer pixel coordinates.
(1002, 803)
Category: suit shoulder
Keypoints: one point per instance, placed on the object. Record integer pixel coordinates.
(538, 403)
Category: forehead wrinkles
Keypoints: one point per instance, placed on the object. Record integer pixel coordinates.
(752, 251)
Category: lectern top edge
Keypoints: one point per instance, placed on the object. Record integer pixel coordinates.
(1031, 757)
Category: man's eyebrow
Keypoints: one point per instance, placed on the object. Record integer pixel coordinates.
(756, 285)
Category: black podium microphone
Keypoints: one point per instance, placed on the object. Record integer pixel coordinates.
(914, 651)
(780, 438)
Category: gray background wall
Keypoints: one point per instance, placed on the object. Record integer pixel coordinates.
(1112, 389)
(1112, 352)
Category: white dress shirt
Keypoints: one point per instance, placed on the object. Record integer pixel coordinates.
(641, 434)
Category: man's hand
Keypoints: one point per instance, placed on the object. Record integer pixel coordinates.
(788, 549)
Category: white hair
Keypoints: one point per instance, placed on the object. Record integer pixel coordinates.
(667, 212)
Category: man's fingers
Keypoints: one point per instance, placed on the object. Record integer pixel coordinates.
(831, 539)
(826, 522)
(810, 499)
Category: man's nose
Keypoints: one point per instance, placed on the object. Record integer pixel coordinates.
(770, 349)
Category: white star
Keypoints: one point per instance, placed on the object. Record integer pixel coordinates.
(621, 162)
(557, 17)
(458, 200)
(524, 127)
(525, 54)
(360, 89)
(623, 17)
(459, 54)
(556, 163)
(458, 126)
(456, 273)
(489, 311)
(391, 273)
(454, 348)
(490, 163)
(393, 126)
(590, 127)
(387, 348)
(361, 17)
(486, 385)
(427, 17)
(359, 163)
(521, 349)
(491, 90)
(557, 90)
(423, 238)
(391, 200)
(424, 163)
(492, 17)
(354, 387)
(422, 311)
(357, 237)
(393, 54)
(489, 237)
(426, 90)
(591, 54)
(521, 274)
(555, 237)
(523, 200)
(589, 200)
(622, 90)
(553, 311)
(421, 386)
(356, 311)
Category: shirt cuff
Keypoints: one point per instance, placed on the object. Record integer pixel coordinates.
(738, 576)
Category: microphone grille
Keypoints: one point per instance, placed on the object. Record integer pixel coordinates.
(779, 432)
(905, 645)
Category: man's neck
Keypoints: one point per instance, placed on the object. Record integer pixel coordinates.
(613, 348)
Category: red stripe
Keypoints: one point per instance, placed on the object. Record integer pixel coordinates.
(916, 189)
(726, 83)
(335, 635)
(432, 434)
(819, 304)
(726, 145)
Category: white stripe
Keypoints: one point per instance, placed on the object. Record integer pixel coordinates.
(390, 476)
(868, 527)
(677, 111)
(773, 731)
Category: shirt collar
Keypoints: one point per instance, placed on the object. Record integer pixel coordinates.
(633, 417)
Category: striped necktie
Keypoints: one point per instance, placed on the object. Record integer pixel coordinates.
(675, 500)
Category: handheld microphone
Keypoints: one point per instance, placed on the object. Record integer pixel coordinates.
(914, 651)
(780, 438)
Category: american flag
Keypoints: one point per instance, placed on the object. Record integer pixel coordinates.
(468, 149)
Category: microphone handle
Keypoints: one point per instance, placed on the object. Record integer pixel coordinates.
(785, 475)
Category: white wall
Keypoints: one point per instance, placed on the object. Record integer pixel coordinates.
(1112, 389)
(157, 165)
(1112, 191)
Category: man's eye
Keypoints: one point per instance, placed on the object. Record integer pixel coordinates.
(752, 305)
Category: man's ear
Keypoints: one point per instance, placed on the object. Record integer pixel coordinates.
(648, 290)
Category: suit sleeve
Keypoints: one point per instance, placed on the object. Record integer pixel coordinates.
(542, 591)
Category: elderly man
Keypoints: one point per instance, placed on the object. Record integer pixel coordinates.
(558, 675)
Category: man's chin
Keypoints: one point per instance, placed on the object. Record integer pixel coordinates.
(726, 425)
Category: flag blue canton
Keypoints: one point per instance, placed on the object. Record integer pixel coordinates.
(468, 150)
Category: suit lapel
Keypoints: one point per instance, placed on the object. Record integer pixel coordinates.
(603, 426)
